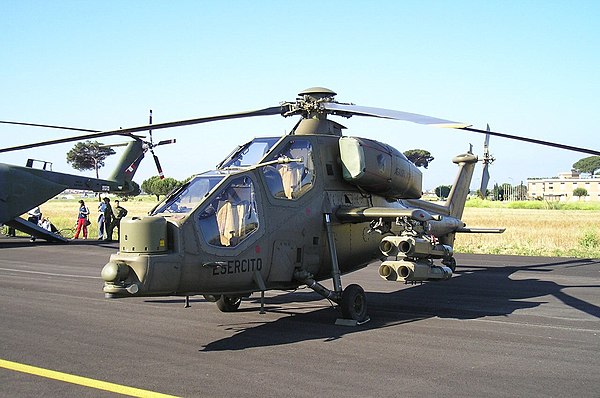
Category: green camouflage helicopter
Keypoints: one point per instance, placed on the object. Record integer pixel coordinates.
(24, 187)
(284, 212)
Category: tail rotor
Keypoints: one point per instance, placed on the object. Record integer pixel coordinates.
(487, 160)
(149, 145)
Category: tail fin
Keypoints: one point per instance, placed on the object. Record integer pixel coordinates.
(461, 187)
(129, 162)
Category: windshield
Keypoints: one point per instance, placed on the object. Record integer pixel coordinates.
(189, 195)
(249, 154)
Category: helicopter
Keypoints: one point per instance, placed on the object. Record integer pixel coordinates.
(23, 188)
(283, 212)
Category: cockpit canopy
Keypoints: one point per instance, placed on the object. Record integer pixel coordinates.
(189, 196)
(248, 154)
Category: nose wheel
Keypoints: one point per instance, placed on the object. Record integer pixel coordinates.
(229, 303)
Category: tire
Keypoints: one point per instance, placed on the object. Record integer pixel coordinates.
(354, 303)
(450, 263)
(212, 297)
(229, 303)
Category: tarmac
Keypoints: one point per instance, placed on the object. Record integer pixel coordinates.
(503, 326)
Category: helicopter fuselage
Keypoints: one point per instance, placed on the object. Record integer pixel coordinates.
(254, 230)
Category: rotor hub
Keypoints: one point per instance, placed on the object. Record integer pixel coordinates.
(317, 93)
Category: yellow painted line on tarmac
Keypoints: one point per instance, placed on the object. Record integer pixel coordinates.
(82, 381)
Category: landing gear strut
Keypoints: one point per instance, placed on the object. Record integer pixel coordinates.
(352, 301)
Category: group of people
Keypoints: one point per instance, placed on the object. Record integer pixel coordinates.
(34, 216)
(108, 219)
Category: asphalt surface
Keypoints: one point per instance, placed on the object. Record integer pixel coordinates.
(503, 326)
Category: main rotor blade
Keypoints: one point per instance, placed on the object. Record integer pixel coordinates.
(533, 141)
(68, 139)
(392, 114)
(349, 110)
(275, 110)
(49, 126)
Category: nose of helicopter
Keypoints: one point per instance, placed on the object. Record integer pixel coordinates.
(139, 267)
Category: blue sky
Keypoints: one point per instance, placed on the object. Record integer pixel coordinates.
(525, 67)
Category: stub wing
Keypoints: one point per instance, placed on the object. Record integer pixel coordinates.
(362, 214)
(481, 230)
(432, 224)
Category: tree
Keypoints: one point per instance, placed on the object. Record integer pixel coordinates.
(443, 191)
(155, 186)
(588, 165)
(89, 155)
(579, 192)
(498, 192)
(420, 157)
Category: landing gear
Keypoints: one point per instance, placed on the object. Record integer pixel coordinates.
(450, 263)
(229, 303)
(212, 298)
(354, 303)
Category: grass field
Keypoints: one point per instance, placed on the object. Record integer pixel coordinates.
(63, 213)
(539, 232)
(563, 233)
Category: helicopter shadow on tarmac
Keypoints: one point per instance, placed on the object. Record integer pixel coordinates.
(476, 292)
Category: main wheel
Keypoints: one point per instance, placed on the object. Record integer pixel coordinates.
(451, 263)
(354, 303)
(229, 303)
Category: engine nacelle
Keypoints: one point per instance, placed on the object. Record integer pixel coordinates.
(413, 271)
(380, 169)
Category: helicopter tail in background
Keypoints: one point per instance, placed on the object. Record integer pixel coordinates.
(128, 165)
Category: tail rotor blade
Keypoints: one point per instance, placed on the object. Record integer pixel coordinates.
(164, 142)
(158, 167)
(485, 178)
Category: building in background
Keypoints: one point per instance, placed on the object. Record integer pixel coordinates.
(562, 187)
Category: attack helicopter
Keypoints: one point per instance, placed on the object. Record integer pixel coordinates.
(284, 212)
(25, 187)
(289, 211)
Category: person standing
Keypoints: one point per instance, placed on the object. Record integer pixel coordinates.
(101, 226)
(108, 219)
(82, 220)
(120, 212)
(34, 216)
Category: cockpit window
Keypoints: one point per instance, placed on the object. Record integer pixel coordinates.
(188, 196)
(291, 180)
(231, 216)
(248, 154)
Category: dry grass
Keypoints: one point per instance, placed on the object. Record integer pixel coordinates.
(562, 233)
(533, 232)
(63, 213)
